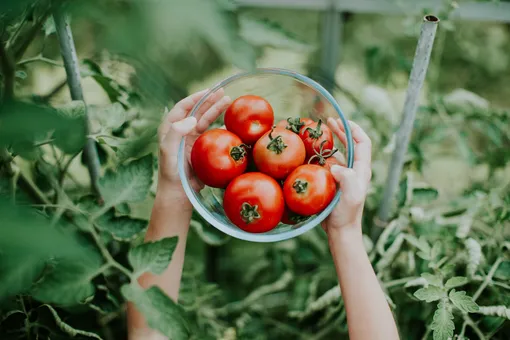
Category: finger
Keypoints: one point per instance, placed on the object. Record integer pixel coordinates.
(178, 112)
(170, 143)
(335, 127)
(358, 134)
(362, 151)
(210, 101)
(349, 185)
(213, 113)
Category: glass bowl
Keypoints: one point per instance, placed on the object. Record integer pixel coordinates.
(290, 95)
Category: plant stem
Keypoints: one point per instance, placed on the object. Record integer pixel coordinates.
(488, 278)
(8, 70)
(70, 58)
(475, 328)
(40, 58)
(416, 80)
(397, 282)
(106, 254)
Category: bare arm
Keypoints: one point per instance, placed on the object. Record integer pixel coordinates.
(368, 313)
(171, 213)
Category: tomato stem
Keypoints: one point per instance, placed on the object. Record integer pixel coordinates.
(300, 186)
(294, 124)
(249, 213)
(276, 144)
(238, 152)
(322, 155)
(297, 218)
(315, 133)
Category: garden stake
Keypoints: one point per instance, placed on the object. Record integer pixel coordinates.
(416, 80)
(68, 50)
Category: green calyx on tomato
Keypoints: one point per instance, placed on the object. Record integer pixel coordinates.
(294, 124)
(238, 152)
(321, 156)
(249, 213)
(300, 186)
(276, 144)
(315, 133)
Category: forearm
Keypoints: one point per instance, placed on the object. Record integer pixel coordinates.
(368, 313)
(169, 218)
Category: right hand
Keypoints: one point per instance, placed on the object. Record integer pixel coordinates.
(354, 183)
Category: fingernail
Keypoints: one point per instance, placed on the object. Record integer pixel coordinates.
(185, 125)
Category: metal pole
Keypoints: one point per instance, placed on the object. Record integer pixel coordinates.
(332, 26)
(416, 80)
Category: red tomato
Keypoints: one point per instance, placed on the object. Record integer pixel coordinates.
(249, 117)
(254, 202)
(313, 135)
(217, 157)
(292, 218)
(294, 124)
(309, 189)
(278, 152)
(327, 162)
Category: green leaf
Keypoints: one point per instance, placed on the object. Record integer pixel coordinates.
(69, 283)
(430, 293)
(152, 256)
(264, 33)
(463, 302)
(131, 182)
(503, 271)
(442, 323)
(110, 117)
(160, 312)
(49, 26)
(424, 195)
(456, 281)
(18, 276)
(135, 147)
(209, 235)
(104, 301)
(72, 139)
(26, 241)
(66, 328)
(122, 228)
(434, 280)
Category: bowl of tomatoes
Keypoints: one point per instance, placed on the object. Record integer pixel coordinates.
(264, 165)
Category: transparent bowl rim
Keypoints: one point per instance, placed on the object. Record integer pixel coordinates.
(265, 237)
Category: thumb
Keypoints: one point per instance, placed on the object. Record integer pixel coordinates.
(178, 130)
(346, 177)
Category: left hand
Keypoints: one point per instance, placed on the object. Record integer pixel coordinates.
(176, 125)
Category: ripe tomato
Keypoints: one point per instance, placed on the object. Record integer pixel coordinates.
(309, 189)
(217, 157)
(289, 217)
(278, 152)
(254, 202)
(249, 117)
(313, 135)
(294, 124)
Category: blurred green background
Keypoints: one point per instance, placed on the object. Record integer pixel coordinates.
(64, 266)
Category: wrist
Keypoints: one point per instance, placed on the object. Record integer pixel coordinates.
(347, 234)
(173, 196)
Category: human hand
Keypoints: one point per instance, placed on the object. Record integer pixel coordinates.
(353, 182)
(176, 125)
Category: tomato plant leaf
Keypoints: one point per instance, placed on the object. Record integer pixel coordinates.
(69, 283)
(152, 256)
(463, 302)
(456, 281)
(18, 276)
(424, 195)
(442, 323)
(432, 279)
(122, 228)
(68, 329)
(72, 139)
(137, 146)
(160, 311)
(108, 118)
(430, 293)
(130, 183)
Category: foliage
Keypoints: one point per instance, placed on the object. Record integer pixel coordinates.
(69, 260)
